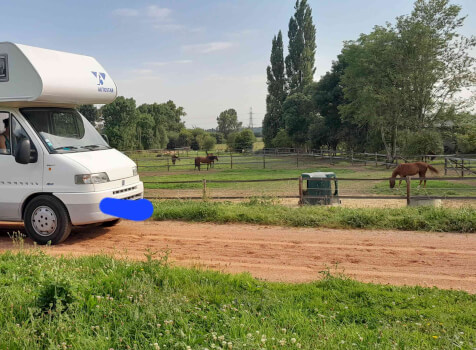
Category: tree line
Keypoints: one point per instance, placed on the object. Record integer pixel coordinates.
(160, 125)
(396, 89)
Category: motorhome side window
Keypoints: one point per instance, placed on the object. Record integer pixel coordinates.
(3, 68)
(5, 134)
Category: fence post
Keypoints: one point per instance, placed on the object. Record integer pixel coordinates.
(408, 180)
(297, 159)
(231, 160)
(204, 195)
(352, 155)
(376, 159)
(462, 167)
(446, 166)
(264, 160)
(300, 190)
(168, 164)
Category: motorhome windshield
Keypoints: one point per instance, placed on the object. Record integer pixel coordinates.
(64, 130)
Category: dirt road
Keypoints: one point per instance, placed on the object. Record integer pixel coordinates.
(287, 254)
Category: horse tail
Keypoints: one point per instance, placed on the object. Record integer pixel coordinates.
(432, 169)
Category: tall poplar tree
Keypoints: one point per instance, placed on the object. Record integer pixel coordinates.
(276, 80)
(302, 48)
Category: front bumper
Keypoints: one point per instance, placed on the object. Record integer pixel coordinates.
(84, 209)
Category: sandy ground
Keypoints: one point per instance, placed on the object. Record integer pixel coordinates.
(445, 260)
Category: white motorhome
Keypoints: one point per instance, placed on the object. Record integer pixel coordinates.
(55, 168)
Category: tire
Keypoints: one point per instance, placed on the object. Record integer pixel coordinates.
(111, 223)
(47, 220)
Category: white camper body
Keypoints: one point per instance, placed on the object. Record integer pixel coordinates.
(54, 166)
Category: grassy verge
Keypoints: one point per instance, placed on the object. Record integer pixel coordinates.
(258, 211)
(101, 303)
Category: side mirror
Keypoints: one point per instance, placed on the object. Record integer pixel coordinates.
(104, 136)
(23, 152)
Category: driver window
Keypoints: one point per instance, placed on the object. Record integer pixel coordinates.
(18, 134)
(5, 133)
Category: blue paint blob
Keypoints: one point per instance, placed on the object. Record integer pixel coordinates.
(137, 210)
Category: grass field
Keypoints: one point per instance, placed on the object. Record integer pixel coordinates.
(101, 303)
(433, 188)
(231, 175)
(258, 211)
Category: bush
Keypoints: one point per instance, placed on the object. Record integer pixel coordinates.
(244, 140)
(423, 142)
(207, 142)
(282, 139)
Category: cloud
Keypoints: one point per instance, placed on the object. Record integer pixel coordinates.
(158, 13)
(208, 47)
(152, 13)
(126, 12)
(141, 71)
(158, 17)
(169, 27)
(165, 63)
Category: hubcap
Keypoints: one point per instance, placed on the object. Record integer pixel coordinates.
(44, 221)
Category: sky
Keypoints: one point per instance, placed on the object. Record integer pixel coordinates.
(205, 55)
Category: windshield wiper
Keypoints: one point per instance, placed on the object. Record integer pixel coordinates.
(65, 147)
(92, 146)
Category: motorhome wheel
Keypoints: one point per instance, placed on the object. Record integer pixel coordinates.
(47, 220)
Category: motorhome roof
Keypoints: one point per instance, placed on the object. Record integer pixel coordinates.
(32, 76)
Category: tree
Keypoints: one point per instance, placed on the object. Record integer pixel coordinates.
(90, 112)
(120, 118)
(373, 86)
(206, 142)
(185, 138)
(298, 113)
(276, 81)
(327, 95)
(145, 131)
(244, 140)
(302, 47)
(407, 76)
(231, 141)
(437, 60)
(228, 122)
(282, 139)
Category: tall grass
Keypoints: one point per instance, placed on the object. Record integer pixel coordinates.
(101, 303)
(267, 212)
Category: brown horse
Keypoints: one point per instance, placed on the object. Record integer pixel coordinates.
(213, 158)
(208, 160)
(409, 169)
(174, 159)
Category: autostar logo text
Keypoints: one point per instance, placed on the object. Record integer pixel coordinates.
(100, 82)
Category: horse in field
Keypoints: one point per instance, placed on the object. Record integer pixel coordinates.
(409, 169)
(174, 158)
(208, 160)
(213, 158)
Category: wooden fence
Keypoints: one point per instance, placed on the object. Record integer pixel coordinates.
(409, 197)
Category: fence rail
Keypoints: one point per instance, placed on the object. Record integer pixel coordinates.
(299, 189)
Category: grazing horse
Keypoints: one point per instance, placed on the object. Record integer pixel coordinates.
(213, 158)
(207, 160)
(174, 159)
(409, 169)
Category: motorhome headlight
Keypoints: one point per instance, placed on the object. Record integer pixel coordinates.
(134, 171)
(86, 179)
